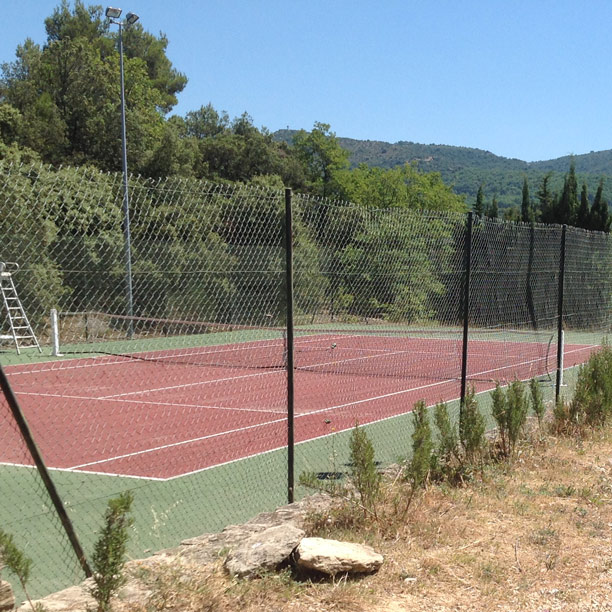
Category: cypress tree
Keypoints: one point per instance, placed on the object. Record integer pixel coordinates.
(479, 206)
(526, 208)
(567, 206)
(493, 209)
(599, 219)
(545, 201)
(583, 214)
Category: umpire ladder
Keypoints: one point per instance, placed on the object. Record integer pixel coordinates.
(22, 333)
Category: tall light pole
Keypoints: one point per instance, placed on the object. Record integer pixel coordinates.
(114, 14)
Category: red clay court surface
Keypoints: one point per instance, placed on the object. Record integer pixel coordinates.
(119, 416)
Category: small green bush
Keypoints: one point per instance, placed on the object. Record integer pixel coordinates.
(109, 551)
(510, 412)
(422, 447)
(447, 456)
(17, 563)
(364, 473)
(592, 402)
(471, 428)
(537, 401)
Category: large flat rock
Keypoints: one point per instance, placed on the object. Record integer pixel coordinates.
(333, 557)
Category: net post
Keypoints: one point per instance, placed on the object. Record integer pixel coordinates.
(289, 346)
(41, 467)
(560, 337)
(466, 309)
(55, 333)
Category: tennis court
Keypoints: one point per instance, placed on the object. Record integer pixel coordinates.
(167, 412)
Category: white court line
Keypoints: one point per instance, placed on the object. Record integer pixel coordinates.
(193, 384)
(174, 444)
(276, 371)
(55, 469)
(122, 359)
(266, 423)
(327, 409)
(248, 427)
(153, 403)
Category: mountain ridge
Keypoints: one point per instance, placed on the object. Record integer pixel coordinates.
(467, 168)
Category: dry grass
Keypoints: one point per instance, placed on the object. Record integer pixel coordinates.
(534, 536)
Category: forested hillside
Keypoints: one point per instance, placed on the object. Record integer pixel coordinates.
(467, 169)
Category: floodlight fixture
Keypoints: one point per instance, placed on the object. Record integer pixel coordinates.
(113, 13)
(131, 18)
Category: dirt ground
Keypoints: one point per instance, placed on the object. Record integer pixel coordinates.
(533, 535)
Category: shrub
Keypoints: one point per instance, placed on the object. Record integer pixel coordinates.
(364, 473)
(422, 447)
(109, 551)
(17, 563)
(471, 428)
(447, 455)
(537, 401)
(592, 402)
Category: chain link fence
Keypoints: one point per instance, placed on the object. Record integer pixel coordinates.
(209, 364)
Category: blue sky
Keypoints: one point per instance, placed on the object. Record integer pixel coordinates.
(530, 79)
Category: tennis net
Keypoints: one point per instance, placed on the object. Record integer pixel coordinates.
(350, 350)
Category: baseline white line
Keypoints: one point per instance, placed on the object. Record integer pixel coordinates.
(69, 470)
(154, 403)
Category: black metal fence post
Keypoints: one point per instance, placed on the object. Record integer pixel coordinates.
(466, 308)
(26, 434)
(289, 345)
(560, 315)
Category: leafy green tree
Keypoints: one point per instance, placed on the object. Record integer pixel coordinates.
(322, 157)
(68, 91)
(512, 214)
(206, 122)
(401, 187)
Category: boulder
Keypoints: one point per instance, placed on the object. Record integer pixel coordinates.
(72, 599)
(7, 599)
(333, 557)
(264, 550)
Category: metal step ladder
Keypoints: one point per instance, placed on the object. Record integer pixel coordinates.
(22, 333)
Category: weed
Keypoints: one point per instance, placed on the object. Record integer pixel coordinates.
(562, 419)
(537, 401)
(17, 563)
(109, 551)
